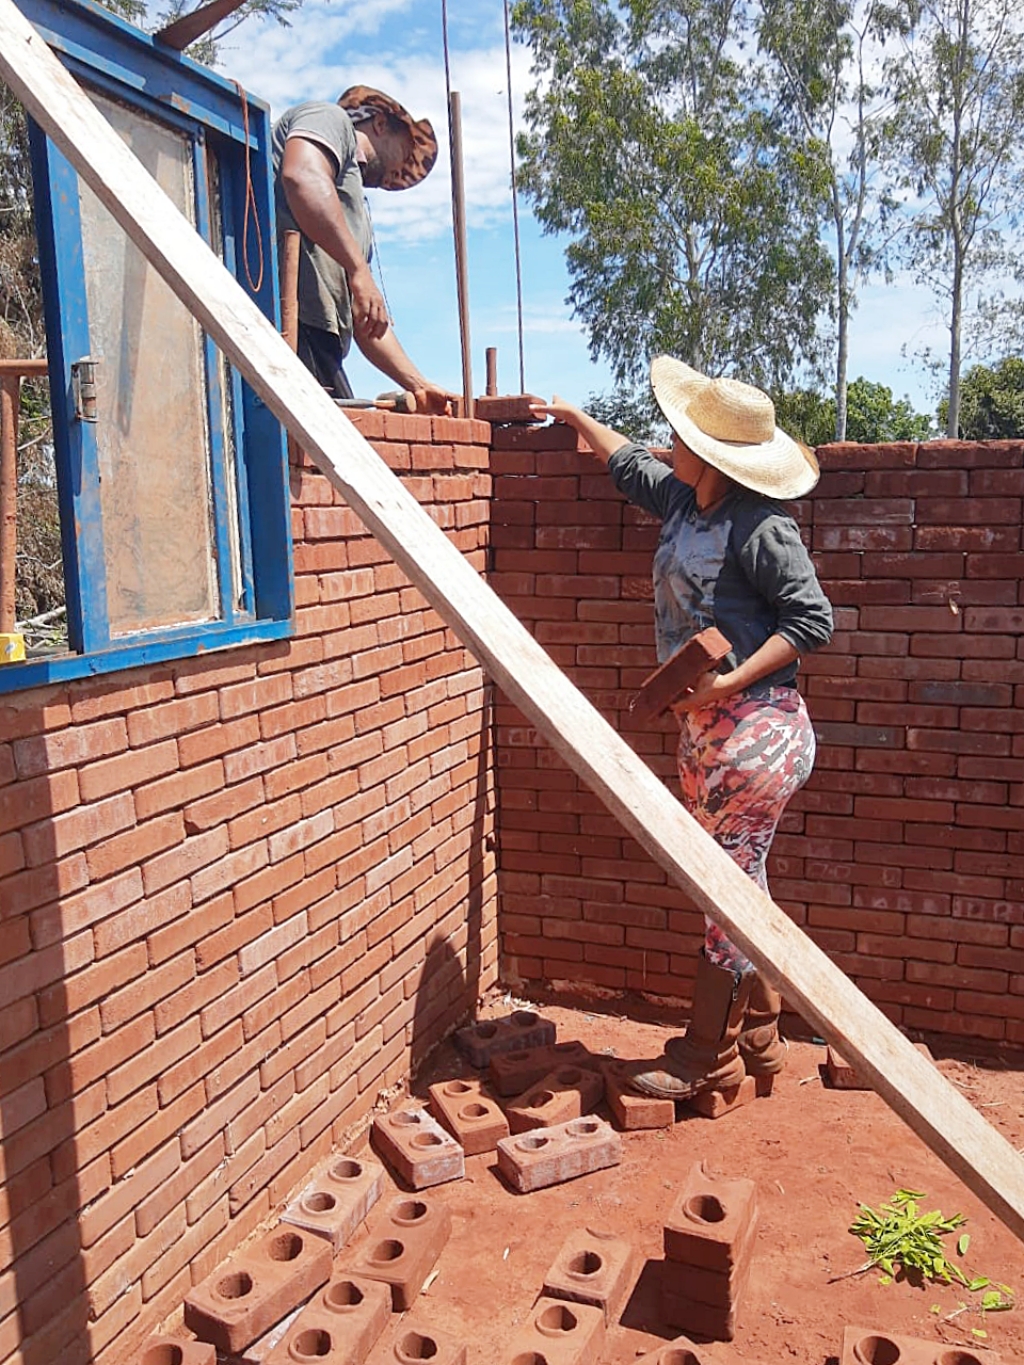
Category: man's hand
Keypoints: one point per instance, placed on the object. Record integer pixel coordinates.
(433, 398)
(369, 311)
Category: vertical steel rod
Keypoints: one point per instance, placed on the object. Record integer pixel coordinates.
(459, 224)
(491, 360)
(10, 398)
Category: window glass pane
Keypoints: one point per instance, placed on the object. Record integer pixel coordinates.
(151, 431)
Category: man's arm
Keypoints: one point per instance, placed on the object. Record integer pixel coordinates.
(307, 178)
(388, 355)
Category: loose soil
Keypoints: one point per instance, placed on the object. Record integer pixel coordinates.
(815, 1155)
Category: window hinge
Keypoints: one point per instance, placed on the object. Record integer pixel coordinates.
(83, 388)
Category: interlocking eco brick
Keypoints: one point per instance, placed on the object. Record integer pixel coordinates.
(714, 1288)
(548, 1156)
(171, 1351)
(339, 1326)
(630, 1110)
(418, 1149)
(568, 1093)
(559, 1333)
(511, 1073)
(701, 1319)
(714, 1104)
(521, 1029)
(866, 1346)
(843, 1076)
(418, 1339)
(403, 1247)
(474, 1120)
(336, 1202)
(592, 1267)
(682, 1351)
(712, 1222)
(256, 1287)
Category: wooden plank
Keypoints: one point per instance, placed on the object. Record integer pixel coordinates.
(192, 26)
(930, 1105)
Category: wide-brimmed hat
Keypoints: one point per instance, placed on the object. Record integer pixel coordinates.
(731, 426)
(424, 144)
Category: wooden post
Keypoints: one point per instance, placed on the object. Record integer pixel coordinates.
(290, 309)
(10, 398)
(912, 1086)
(290, 289)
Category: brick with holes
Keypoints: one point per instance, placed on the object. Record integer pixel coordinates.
(548, 1156)
(340, 1325)
(565, 1094)
(521, 1029)
(403, 1247)
(417, 1148)
(416, 1338)
(593, 1266)
(256, 1287)
(337, 1201)
(510, 1073)
(630, 1110)
(172, 1351)
(559, 1333)
(869, 1346)
(470, 1114)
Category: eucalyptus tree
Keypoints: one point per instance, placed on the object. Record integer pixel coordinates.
(954, 136)
(824, 55)
(693, 214)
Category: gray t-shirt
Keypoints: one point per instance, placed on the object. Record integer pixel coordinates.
(324, 299)
(741, 566)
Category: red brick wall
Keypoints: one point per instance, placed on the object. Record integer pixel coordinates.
(240, 896)
(904, 855)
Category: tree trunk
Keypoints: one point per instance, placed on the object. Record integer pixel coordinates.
(843, 330)
(955, 324)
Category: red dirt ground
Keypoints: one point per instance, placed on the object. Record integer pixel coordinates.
(815, 1155)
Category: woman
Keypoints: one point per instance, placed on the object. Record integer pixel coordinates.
(729, 556)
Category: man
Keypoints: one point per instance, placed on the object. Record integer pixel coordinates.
(324, 157)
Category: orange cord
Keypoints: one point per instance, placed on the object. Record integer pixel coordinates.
(250, 202)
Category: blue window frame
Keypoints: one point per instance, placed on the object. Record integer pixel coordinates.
(172, 475)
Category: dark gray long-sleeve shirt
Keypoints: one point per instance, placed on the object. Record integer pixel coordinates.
(741, 566)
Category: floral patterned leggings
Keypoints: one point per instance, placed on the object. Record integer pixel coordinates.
(740, 761)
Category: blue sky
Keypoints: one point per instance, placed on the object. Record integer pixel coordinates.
(396, 45)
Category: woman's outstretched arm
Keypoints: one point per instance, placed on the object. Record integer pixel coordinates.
(602, 440)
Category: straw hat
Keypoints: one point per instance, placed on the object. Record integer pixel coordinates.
(731, 426)
(364, 100)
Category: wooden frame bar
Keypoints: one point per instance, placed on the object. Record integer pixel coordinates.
(912, 1087)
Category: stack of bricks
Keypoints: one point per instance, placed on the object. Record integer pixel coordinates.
(709, 1243)
(241, 895)
(904, 854)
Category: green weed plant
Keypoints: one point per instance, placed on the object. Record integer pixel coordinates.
(901, 1240)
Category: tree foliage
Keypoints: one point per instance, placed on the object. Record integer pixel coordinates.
(873, 416)
(822, 54)
(991, 402)
(693, 214)
(955, 148)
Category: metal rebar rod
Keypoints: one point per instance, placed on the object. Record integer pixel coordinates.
(491, 361)
(459, 225)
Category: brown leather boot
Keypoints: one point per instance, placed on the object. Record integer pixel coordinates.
(762, 1050)
(708, 1057)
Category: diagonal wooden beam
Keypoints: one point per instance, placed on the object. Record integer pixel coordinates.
(936, 1111)
(193, 25)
